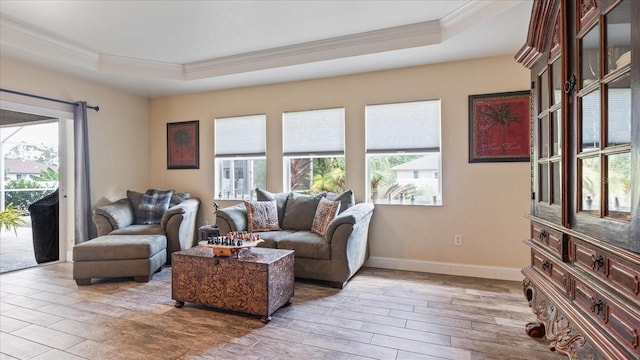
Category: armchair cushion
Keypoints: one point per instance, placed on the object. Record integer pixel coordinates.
(153, 203)
(179, 197)
(134, 198)
(300, 210)
(262, 216)
(119, 213)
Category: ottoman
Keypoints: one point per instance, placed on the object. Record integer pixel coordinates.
(137, 256)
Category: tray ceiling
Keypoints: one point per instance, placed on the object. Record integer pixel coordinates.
(161, 48)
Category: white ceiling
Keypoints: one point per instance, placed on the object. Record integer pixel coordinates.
(161, 48)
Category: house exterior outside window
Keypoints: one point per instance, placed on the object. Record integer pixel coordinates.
(240, 156)
(403, 153)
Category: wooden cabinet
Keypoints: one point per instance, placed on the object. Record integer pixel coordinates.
(583, 283)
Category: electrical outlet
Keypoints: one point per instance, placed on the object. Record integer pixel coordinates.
(457, 240)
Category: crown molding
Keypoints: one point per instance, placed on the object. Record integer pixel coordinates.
(395, 38)
(472, 14)
(19, 37)
(25, 39)
(139, 67)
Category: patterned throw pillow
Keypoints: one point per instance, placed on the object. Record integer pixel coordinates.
(325, 212)
(262, 216)
(153, 203)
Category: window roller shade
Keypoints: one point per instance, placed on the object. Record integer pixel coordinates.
(240, 136)
(318, 132)
(403, 127)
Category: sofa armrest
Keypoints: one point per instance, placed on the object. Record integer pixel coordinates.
(115, 215)
(232, 218)
(351, 216)
(348, 234)
(179, 223)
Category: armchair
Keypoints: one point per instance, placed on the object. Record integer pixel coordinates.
(178, 223)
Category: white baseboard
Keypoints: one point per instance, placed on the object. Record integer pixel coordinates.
(486, 272)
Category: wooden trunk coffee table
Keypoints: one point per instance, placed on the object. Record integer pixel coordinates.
(258, 282)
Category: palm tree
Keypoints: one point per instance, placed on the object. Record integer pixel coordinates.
(182, 138)
(300, 169)
(501, 114)
(332, 181)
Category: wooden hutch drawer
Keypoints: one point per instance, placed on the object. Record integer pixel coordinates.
(550, 269)
(614, 271)
(623, 324)
(553, 240)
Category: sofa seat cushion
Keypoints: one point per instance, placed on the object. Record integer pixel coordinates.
(306, 244)
(139, 230)
(271, 238)
(118, 247)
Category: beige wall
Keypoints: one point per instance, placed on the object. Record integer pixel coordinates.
(118, 133)
(485, 203)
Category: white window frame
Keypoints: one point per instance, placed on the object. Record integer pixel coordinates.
(317, 133)
(238, 138)
(414, 128)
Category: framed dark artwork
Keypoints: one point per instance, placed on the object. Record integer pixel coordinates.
(499, 127)
(183, 145)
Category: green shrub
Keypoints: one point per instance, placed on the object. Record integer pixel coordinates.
(11, 218)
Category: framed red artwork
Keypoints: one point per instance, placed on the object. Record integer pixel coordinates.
(499, 127)
(183, 145)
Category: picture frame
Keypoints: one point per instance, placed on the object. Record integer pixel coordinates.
(183, 145)
(499, 127)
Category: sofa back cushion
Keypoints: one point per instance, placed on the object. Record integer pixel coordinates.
(346, 199)
(300, 210)
(153, 203)
(262, 216)
(134, 198)
(326, 211)
(280, 198)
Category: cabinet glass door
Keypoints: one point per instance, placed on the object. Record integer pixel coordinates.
(604, 116)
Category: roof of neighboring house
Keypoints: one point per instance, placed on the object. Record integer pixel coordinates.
(427, 162)
(21, 166)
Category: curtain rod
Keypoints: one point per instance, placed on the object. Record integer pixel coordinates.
(96, 108)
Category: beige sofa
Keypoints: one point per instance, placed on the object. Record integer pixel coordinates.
(334, 257)
(178, 223)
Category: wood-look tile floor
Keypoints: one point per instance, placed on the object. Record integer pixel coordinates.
(381, 314)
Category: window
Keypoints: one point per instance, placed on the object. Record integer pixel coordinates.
(402, 141)
(240, 162)
(313, 146)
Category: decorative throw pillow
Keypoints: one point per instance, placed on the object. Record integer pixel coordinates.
(262, 216)
(326, 211)
(346, 199)
(179, 197)
(280, 198)
(298, 215)
(153, 203)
